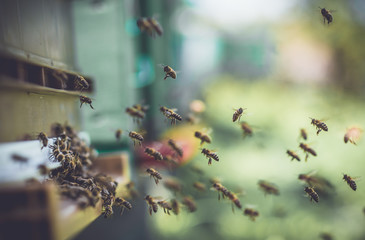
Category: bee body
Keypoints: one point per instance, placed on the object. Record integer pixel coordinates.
(81, 83)
(153, 173)
(326, 15)
(303, 134)
(136, 137)
(350, 181)
(237, 114)
(307, 150)
(154, 153)
(175, 206)
(189, 203)
(43, 138)
(247, 130)
(155, 26)
(199, 186)
(293, 155)
(170, 114)
(118, 134)
(210, 155)
(169, 72)
(319, 125)
(178, 150)
(149, 25)
(135, 113)
(87, 100)
(152, 205)
(268, 188)
(203, 137)
(166, 206)
(121, 202)
(312, 194)
(251, 213)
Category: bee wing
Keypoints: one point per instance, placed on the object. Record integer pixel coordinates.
(311, 173)
(161, 65)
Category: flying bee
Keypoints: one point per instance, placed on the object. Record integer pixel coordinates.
(178, 150)
(153, 173)
(199, 186)
(268, 188)
(132, 192)
(81, 83)
(140, 107)
(19, 158)
(293, 155)
(221, 190)
(316, 181)
(170, 114)
(152, 205)
(153, 153)
(87, 100)
(166, 206)
(350, 181)
(135, 113)
(169, 72)
(155, 25)
(43, 138)
(189, 203)
(210, 155)
(175, 206)
(247, 129)
(121, 202)
(319, 125)
(173, 185)
(136, 137)
(233, 197)
(118, 134)
(192, 119)
(145, 26)
(203, 137)
(237, 114)
(307, 150)
(326, 15)
(312, 194)
(326, 236)
(353, 134)
(303, 134)
(251, 213)
(43, 170)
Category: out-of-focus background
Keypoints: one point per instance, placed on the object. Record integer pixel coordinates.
(277, 59)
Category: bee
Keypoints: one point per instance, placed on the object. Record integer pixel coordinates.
(203, 137)
(169, 72)
(131, 190)
(307, 150)
(316, 181)
(352, 135)
(237, 114)
(175, 147)
(136, 137)
(199, 186)
(43, 138)
(170, 160)
(170, 114)
(107, 211)
(350, 181)
(84, 99)
(210, 155)
(121, 202)
(326, 236)
(57, 129)
(192, 119)
(221, 190)
(135, 113)
(319, 125)
(140, 107)
(118, 134)
(293, 155)
(175, 206)
(153, 153)
(155, 25)
(153, 173)
(152, 205)
(312, 194)
(247, 130)
(268, 188)
(189, 203)
(251, 213)
(303, 134)
(233, 197)
(43, 170)
(19, 158)
(145, 26)
(326, 15)
(173, 185)
(81, 83)
(166, 206)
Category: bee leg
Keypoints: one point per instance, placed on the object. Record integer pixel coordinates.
(306, 157)
(81, 104)
(156, 181)
(91, 106)
(168, 212)
(209, 161)
(232, 208)
(150, 210)
(121, 211)
(219, 196)
(164, 210)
